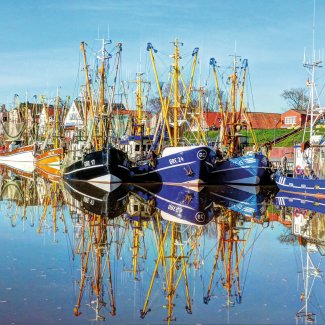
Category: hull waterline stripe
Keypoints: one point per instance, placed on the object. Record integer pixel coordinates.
(83, 194)
(239, 167)
(84, 168)
(164, 168)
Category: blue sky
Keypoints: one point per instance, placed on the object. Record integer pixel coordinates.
(40, 40)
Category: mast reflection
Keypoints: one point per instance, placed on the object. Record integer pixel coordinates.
(165, 253)
(308, 226)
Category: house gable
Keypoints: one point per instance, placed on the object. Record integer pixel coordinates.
(73, 117)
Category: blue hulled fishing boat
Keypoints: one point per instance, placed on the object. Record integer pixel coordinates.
(247, 170)
(169, 160)
(189, 165)
(233, 165)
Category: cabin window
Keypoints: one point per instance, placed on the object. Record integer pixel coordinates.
(136, 208)
(290, 120)
(137, 147)
(144, 147)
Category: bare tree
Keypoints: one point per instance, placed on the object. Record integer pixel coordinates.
(296, 98)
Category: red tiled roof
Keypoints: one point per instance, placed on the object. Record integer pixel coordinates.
(258, 120)
(261, 120)
(212, 119)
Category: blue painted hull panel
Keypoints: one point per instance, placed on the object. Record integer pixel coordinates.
(312, 203)
(301, 185)
(191, 166)
(248, 200)
(179, 204)
(247, 170)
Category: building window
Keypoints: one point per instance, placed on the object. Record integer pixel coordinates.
(137, 147)
(290, 120)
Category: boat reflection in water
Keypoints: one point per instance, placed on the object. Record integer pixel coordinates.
(161, 253)
(251, 201)
(178, 214)
(93, 199)
(93, 238)
(301, 202)
(177, 203)
(33, 200)
(18, 191)
(239, 209)
(308, 225)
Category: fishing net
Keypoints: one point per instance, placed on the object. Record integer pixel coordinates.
(13, 131)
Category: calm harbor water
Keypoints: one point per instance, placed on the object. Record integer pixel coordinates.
(236, 256)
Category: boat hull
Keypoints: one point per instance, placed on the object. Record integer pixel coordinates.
(19, 155)
(178, 204)
(286, 199)
(105, 169)
(250, 201)
(16, 168)
(53, 157)
(245, 170)
(95, 200)
(300, 185)
(50, 173)
(179, 166)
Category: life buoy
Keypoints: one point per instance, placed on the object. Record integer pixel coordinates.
(298, 170)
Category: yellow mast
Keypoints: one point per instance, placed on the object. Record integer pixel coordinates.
(139, 102)
(230, 254)
(95, 256)
(232, 100)
(119, 45)
(177, 104)
(198, 118)
(54, 208)
(230, 138)
(243, 108)
(162, 101)
(144, 310)
(26, 121)
(213, 63)
(89, 98)
(135, 249)
(84, 267)
(189, 90)
(172, 264)
(101, 99)
(56, 112)
(177, 261)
